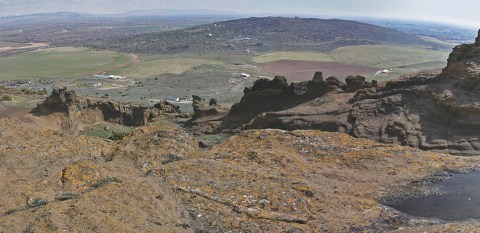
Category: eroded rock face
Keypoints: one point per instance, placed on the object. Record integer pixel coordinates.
(430, 111)
(274, 95)
(477, 40)
(90, 110)
(202, 109)
(355, 83)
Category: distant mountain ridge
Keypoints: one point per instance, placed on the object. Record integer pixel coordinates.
(263, 34)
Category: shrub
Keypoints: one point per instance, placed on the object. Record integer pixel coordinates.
(5, 98)
(27, 91)
(117, 136)
(11, 211)
(105, 181)
(42, 92)
(66, 196)
(38, 202)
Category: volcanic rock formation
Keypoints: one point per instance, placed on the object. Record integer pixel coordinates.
(275, 95)
(89, 110)
(430, 111)
(202, 109)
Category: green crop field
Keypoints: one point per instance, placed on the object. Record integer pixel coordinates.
(64, 62)
(389, 56)
(155, 65)
(293, 55)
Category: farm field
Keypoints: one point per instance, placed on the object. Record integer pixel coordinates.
(63, 62)
(293, 55)
(387, 56)
(150, 66)
(171, 76)
(304, 70)
(352, 60)
(67, 62)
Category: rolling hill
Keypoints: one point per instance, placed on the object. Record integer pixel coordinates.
(261, 34)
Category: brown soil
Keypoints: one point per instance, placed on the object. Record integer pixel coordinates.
(304, 70)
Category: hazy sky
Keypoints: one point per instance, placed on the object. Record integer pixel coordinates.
(466, 12)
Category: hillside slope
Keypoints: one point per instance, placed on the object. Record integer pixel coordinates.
(431, 110)
(157, 180)
(261, 34)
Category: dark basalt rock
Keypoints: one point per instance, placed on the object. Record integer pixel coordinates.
(277, 94)
(355, 83)
(333, 81)
(477, 40)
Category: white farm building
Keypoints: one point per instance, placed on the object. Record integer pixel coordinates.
(116, 77)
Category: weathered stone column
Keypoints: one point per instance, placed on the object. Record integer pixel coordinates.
(477, 40)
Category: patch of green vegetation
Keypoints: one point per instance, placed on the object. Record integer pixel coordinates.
(5, 98)
(117, 136)
(11, 211)
(62, 62)
(389, 56)
(42, 92)
(66, 196)
(108, 131)
(156, 65)
(105, 181)
(20, 102)
(28, 91)
(292, 55)
(215, 138)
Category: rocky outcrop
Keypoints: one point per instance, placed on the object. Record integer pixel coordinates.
(89, 110)
(275, 95)
(477, 40)
(333, 81)
(431, 111)
(355, 83)
(156, 180)
(202, 109)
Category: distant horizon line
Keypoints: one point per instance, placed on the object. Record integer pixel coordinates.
(465, 25)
